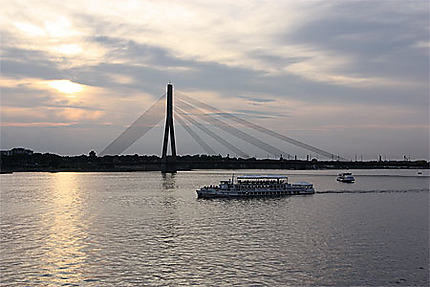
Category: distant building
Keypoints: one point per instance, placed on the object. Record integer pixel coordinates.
(17, 151)
(5, 152)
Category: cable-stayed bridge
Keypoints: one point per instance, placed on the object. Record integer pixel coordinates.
(194, 115)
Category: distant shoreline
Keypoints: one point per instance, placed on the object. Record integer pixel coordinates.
(37, 162)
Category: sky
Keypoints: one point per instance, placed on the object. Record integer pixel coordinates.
(349, 77)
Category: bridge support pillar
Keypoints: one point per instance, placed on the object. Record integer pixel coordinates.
(169, 162)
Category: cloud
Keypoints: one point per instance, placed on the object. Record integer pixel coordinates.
(244, 36)
(257, 114)
(37, 124)
(358, 43)
(318, 62)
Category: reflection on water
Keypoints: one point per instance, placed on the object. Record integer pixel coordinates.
(168, 180)
(169, 209)
(63, 255)
(49, 225)
(149, 229)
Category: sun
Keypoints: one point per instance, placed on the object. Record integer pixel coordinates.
(65, 86)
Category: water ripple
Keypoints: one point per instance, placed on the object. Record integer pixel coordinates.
(145, 229)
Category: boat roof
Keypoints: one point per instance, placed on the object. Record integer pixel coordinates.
(303, 183)
(266, 176)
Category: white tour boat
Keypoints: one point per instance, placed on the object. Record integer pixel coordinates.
(345, 177)
(255, 186)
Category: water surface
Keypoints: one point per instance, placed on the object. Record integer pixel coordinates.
(149, 229)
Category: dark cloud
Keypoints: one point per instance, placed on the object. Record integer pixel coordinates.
(378, 36)
(39, 68)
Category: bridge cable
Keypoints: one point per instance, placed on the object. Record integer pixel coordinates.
(196, 137)
(212, 134)
(236, 132)
(137, 129)
(262, 129)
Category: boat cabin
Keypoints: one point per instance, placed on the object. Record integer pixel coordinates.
(262, 179)
(224, 184)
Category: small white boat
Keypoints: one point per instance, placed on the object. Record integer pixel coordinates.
(255, 186)
(345, 177)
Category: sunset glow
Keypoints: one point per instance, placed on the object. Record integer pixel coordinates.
(65, 86)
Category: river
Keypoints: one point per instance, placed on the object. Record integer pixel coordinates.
(149, 229)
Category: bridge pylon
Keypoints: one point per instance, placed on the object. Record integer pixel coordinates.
(169, 162)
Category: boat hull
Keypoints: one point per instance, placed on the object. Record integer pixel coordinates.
(346, 180)
(214, 193)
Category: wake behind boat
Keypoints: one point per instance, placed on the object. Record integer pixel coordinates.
(255, 186)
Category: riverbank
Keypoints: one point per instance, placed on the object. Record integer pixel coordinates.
(55, 163)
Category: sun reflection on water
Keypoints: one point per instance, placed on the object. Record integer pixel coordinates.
(64, 247)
